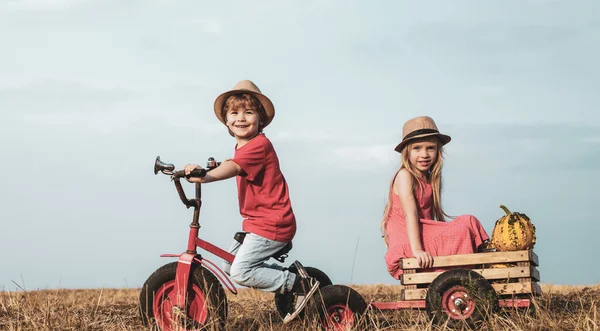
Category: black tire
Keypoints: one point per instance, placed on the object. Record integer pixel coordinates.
(339, 307)
(461, 297)
(285, 303)
(208, 303)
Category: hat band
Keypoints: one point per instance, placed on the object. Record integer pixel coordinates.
(419, 132)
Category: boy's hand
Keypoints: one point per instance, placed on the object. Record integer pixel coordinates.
(225, 170)
(424, 258)
(188, 168)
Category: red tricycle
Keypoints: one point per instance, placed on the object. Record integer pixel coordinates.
(188, 294)
(469, 287)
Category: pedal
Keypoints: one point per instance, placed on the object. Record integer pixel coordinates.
(300, 306)
(281, 258)
(301, 271)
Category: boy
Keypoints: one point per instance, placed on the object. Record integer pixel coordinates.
(262, 193)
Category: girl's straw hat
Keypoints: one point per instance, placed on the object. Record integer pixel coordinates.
(419, 127)
(245, 86)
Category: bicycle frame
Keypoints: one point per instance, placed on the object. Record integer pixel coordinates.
(191, 256)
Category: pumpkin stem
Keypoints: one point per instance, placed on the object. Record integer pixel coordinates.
(505, 209)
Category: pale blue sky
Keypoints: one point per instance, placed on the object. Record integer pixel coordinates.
(92, 91)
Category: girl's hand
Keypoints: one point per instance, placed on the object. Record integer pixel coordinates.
(424, 258)
(188, 168)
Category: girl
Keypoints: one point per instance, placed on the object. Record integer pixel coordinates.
(413, 222)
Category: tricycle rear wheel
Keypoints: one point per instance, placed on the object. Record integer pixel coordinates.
(339, 307)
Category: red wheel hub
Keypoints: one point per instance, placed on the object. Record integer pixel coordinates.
(339, 317)
(164, 309)
(457, 303)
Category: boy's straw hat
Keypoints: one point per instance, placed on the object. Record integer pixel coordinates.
(245, 86)
(419, 127)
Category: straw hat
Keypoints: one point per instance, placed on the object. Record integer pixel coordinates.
(245, 86)
(419, 127)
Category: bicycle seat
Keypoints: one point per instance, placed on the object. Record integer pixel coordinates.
(280, 255)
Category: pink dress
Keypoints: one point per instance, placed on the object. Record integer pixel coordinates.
(460, 236)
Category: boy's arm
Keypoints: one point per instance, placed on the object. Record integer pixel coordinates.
(225, 170)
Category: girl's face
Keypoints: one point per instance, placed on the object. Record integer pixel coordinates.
(243, 122)
(423, 154)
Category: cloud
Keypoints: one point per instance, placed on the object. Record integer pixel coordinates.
(366, 155)
(211, 26)
(42, 92)
(488, 90)
(104, 108)
(309, 137)
(42, 4)
(591, 139)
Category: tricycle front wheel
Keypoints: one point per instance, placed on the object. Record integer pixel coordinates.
(206, 301)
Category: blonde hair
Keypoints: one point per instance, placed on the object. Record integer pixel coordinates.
(434, 177)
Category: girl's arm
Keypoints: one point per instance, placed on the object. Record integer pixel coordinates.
(404, 187)
(225, 170)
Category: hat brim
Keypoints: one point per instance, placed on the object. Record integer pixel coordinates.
(264, 100)
(443, 138)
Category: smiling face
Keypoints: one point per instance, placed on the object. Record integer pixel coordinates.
(423, 153)
(243, 122)
(244, 117)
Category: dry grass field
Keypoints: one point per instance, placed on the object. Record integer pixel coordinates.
(559, 308)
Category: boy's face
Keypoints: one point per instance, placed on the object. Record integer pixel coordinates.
(243, 122)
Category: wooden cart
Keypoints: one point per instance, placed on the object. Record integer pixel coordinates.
(464, 289)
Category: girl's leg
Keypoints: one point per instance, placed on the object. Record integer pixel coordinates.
(249, 267)
(478, 232)
(463, 235)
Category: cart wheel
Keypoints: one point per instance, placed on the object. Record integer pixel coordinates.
(460, 297)
(285, 303)
(339, 307)
(207, 303)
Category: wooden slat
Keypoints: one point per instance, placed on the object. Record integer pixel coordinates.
(418, 294)
(407, 287)
(514, 288)
(523, 264)
(502, 289)
(474, 259)
(420, 277)
(488, 273)
(533, 258)
(535, 274)
(536, 289)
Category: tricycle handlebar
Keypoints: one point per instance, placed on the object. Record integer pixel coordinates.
(169, 169)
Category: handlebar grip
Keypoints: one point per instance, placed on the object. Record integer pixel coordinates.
(197, 173)
(194, 173)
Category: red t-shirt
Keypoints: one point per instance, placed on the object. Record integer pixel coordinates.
(263, 193)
